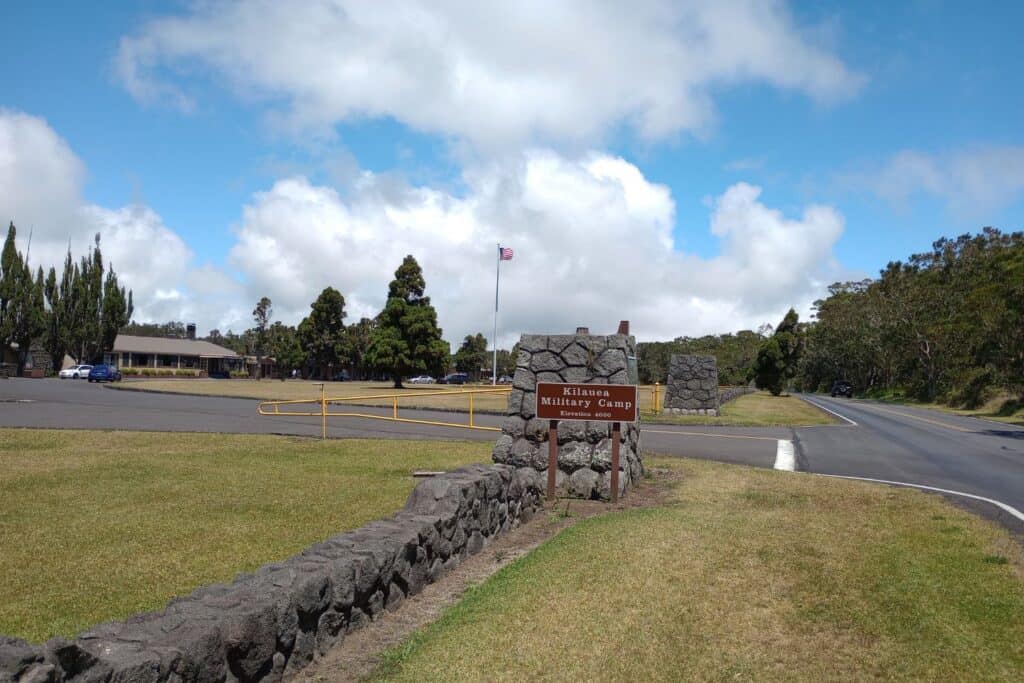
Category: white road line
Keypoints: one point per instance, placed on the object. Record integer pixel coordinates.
(818, 405)
(1002, 506)
(785, 458)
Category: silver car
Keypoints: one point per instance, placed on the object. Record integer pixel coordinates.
(75, 372)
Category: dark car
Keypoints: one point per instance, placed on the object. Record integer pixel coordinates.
(104, 373)
(454, 378)
(842, 388)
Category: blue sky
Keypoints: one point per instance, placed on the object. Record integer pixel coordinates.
(903, 119)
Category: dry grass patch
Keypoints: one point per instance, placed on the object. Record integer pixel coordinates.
(760, 409)
(749, 575)
(100, 525)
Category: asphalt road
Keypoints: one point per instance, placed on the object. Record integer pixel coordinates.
(75, 404)
(918, 446)
(876, 441)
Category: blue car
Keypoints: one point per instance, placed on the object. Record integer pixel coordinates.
(104, 373)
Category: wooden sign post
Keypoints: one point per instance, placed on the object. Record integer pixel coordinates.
(615, 403)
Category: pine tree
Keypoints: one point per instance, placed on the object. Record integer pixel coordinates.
(472, 355)
(322, 333)
(779, 356)
(407, 338)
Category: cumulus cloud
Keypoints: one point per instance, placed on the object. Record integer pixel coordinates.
(593, 244)
(40, 191)
(493, 73)
(593, 240)
(974, 182)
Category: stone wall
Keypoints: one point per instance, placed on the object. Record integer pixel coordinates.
(270, 624)
(692, 387)
(726, 394)
(584, 450)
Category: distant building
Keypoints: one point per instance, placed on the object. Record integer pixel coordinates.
(159, 352)
(37, 361)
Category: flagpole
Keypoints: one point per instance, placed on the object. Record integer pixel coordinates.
(494, 337)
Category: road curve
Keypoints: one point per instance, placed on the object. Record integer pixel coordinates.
(918, 446)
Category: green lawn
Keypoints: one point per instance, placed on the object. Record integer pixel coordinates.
(760, 409)
(749, 575)
(100, 525)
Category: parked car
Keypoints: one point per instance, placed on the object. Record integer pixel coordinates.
(75, 372)
(341, 376)
(104, 373)
(504, 379)
(842, 388)
(454, 378)
(422, 379)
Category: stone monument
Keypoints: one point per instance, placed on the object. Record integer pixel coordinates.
(692, 387)
(584, 448)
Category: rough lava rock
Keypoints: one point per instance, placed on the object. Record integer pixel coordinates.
(692, 386)
(269, 624)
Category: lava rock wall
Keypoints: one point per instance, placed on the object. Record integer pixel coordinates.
(692, 387)
(584, 448)
(268, 625)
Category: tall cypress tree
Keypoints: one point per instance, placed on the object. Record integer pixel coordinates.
(54, 336)
(21, 300)
(10, 267)
(407, 338)
(117, 310)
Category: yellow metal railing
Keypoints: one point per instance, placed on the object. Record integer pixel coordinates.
(273, 408)
(656, 397)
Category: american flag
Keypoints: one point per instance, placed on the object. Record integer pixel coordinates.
(505, 253)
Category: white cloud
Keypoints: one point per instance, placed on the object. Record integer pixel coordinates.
(40, 191)
(494, 73)
(592, 238)
(593, 241)
(974, 182)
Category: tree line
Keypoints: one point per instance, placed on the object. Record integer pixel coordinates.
(402, 340)
(77, 314)
(944, 325)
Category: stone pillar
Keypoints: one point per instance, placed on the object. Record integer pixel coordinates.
(692, 387)
(584, 452)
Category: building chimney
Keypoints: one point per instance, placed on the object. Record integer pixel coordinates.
(190, 331)
(582, 330)
(623, 327)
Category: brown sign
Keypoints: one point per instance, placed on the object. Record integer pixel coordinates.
(590, 402)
